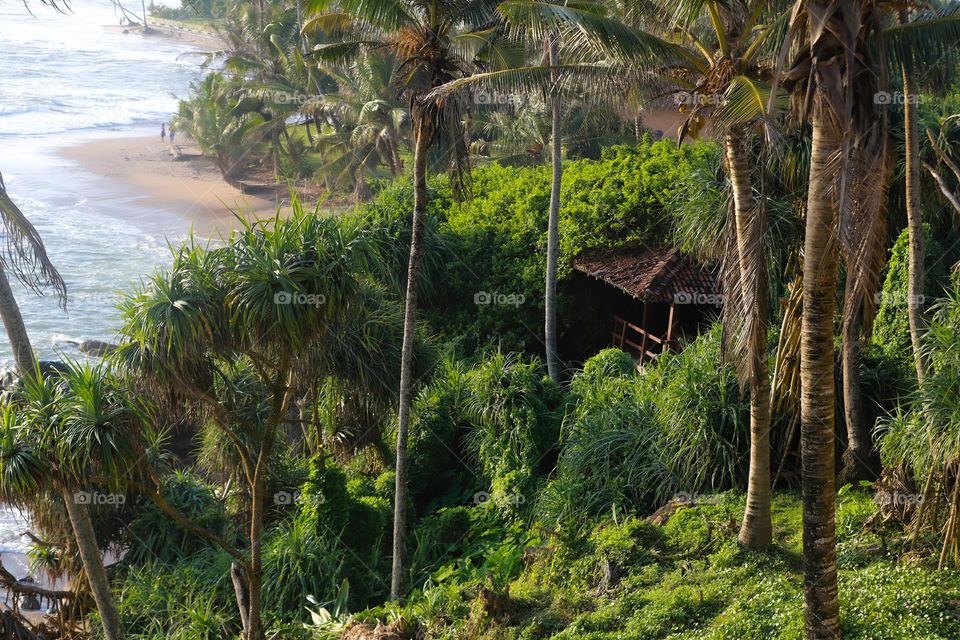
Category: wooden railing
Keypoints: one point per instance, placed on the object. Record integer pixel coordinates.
(629, 336)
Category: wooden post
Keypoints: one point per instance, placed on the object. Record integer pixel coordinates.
(666, 345)
(643, 325)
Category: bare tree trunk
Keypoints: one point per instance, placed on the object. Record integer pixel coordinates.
(93, 566)
(16, 330)
(242, 591)
(914, 228)
(756, 530)
(817, 401)
(857, 457)
(255, 574)
(423, 140)
(553, 223)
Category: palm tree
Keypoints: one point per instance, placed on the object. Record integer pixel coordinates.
(367, 126)
(69, 438)
(229, 331)
(837, 67)
(728, 83)
(435, 43)
(583, 45)
(911, 65)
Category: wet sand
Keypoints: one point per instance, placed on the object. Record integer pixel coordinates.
(172, 177)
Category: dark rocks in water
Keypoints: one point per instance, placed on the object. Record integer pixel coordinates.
(8, 378)
(53, 367)
(97, 348)
(30, 603)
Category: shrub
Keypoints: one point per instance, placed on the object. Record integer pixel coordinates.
(891, 331)
(152, 535)
(633, 440)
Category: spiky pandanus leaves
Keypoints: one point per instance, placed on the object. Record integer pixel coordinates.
(246, 317)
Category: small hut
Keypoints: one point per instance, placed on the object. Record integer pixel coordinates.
(650, 298)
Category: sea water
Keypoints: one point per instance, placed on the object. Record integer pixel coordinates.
(65, 79)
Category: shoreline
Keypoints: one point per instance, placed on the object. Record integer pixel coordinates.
(189, 185)
(186, 33)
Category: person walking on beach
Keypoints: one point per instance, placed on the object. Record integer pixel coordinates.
(173, 133)
(163, 132)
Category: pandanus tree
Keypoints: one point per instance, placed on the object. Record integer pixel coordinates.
(435, 43)
(69, 439)
(249, 315)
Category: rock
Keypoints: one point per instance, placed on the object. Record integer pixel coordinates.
(97, 348)
(10, 377)
(29, 603)
(53, 367)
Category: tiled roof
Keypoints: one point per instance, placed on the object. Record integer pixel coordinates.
(648, 274)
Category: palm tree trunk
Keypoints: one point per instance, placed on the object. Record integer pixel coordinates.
(423, 140)
(16, 330)
(817, 406)
(857, 458)
(93, 566)
(914, 228)
(756, 530)
(553, 222)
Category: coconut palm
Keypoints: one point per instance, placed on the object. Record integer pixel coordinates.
(230, 332)
(366, 124)
(584, 45)
(914, 68)
(26, 258)
(727, 86)
(837, 65)
(435, 43)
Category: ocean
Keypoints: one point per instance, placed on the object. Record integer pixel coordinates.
(66, 80)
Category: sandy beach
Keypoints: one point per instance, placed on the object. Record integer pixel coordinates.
(191, 185)
(203, 38)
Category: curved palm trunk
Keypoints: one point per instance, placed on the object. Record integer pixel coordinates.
(822, 609)
(16, 330)
(756, 530)
(93, 566)
(406, 366)
(553, 232)
(914, 228)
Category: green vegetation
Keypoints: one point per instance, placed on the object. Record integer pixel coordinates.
(267, 476)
